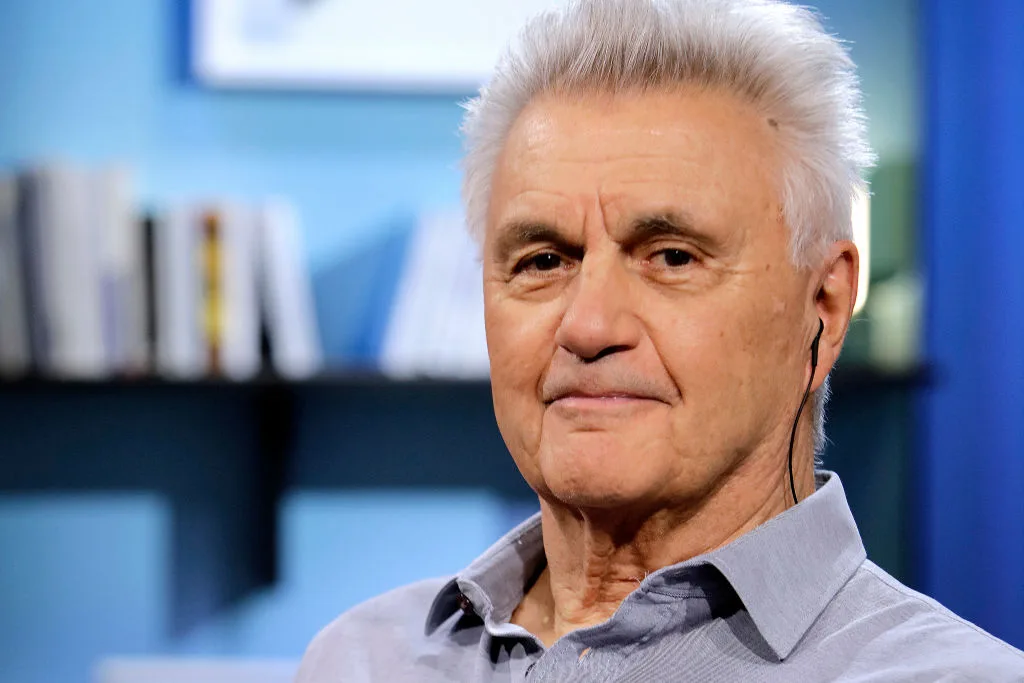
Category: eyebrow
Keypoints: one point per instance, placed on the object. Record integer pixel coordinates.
(667, 224)
(647, 228)
(519, 234)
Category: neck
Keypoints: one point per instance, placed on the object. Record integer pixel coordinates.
(595, 558)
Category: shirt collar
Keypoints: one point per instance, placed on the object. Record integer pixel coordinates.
(496, 581)
(785, 571)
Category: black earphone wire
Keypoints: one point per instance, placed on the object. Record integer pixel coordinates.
(803, 402)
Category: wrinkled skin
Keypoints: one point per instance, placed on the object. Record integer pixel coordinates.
(647, 331)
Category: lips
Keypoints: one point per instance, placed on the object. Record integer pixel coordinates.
(596, 408)
(609, 395)
(585, 389)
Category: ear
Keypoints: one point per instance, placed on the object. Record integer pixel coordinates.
(834, 298)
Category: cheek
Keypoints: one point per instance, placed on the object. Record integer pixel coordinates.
(520, 346)
(514, 343)
(730, 361)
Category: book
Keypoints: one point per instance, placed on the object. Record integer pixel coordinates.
(238, 308)
(121, 270)
(210, 251)
(436, 327)
(148, 227)
(67, 258)
(15, 349)
(37, 315)
(90, 289)
(287, 293)
(179, 341)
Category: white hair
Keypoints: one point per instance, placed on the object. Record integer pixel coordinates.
(775, 55)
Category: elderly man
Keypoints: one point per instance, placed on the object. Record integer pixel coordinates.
(662, 191)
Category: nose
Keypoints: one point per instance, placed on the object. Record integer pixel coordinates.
(599, 318)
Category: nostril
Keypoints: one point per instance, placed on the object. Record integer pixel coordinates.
(605, 352)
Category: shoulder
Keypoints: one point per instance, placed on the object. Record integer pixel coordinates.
(889, 623)
(372, 632)
(401, 609)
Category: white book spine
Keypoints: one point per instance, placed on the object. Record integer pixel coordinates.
(441, 266)
(287, 289)
(465, 336)
(179, 349)
(240, 352)
(415, 305)
(71, 270)
(122, 270)
(436, 326)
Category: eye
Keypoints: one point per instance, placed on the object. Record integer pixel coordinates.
(674, 258)
(545, 261)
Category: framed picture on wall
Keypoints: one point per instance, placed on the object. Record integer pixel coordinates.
(395, 45)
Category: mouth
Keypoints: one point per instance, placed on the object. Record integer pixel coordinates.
(601, 396)
(612, 401)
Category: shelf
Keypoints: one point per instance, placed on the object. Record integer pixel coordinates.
(224, 453)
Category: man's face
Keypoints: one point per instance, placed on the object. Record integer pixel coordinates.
(646, 329)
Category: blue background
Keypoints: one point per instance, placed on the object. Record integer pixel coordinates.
(971, 543)
(84, 576)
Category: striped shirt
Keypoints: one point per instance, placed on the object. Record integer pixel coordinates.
(793, 600)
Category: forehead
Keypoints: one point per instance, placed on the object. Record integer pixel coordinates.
(703, 153)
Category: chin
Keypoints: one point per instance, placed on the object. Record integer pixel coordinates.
(592, 498)
(597, 478)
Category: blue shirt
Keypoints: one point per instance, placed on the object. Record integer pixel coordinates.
(793, 600)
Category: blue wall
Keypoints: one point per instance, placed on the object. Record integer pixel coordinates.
(83, 83)
(86, 576)
(972, 484)
(106, 85)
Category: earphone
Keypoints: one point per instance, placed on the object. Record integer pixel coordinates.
(803, 402)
